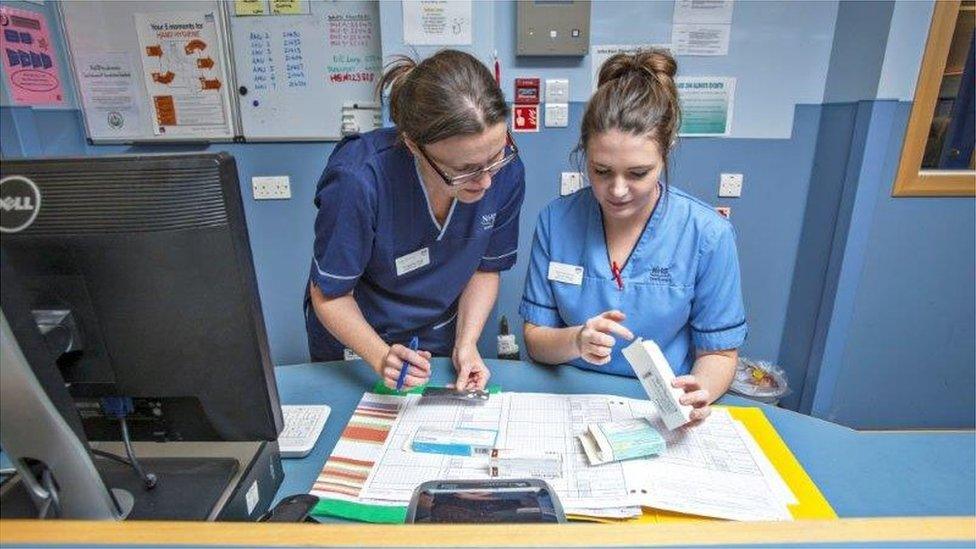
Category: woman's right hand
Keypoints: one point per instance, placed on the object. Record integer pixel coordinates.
(399, 357)
(594, 340)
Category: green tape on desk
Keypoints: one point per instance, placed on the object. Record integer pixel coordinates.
(379, 514)
(381, 389)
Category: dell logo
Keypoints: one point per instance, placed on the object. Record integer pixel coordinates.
(20, 202)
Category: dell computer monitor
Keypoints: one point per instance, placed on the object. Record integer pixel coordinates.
(131, 276)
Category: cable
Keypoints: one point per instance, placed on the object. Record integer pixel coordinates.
(111, 456)
(148, 479)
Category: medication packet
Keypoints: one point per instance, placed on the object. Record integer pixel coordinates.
(619, 440)
(508, 463)
(655, 375)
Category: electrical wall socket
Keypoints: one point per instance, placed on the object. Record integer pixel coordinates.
(570, 182)
(272, 187)
(730, 185)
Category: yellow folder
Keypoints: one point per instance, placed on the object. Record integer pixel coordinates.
(810, 502)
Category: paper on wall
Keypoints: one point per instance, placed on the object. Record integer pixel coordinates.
(107, 85)
(437, 22)
(184, 73)
(599, 54)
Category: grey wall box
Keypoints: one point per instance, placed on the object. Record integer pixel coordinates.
(553, 27)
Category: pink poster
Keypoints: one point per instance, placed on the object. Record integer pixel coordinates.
(29, 59)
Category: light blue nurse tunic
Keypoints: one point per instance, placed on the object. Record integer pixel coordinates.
(376, 236)
(681, 283)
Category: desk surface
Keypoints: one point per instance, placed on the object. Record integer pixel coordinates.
(875, 474)
(862, 474)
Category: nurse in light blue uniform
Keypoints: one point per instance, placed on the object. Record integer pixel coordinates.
(414, 225)
(631, 256)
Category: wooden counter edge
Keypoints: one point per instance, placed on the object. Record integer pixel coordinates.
(892, 529)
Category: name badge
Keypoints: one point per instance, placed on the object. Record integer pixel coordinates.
(412, 261)
(349, 354)
(562, 272)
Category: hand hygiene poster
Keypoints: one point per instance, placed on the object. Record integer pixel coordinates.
(184, 73)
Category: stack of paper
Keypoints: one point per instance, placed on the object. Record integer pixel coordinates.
(714, 469)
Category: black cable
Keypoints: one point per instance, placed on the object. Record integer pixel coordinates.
(149, 479)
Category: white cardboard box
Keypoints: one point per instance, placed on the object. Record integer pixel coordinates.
(655, 375)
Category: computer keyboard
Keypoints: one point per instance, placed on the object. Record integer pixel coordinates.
(303, 425)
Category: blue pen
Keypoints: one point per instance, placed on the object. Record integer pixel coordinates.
(414, 344)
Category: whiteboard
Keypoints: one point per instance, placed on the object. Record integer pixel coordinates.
(295, 72)
(151, 71)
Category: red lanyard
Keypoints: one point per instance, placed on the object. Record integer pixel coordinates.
(616, 275)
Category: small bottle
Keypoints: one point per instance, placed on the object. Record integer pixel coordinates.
(508, 349)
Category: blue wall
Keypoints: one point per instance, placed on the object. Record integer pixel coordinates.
(866, 300)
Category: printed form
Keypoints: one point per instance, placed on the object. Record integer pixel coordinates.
(714, 469)
(524, 421)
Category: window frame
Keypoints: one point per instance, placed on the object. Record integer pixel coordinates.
(911, 179)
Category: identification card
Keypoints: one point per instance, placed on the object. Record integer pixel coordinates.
(412, 261)
(563, 272)
(349, 354)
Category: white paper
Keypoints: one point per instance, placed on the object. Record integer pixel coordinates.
(703, 11)
(599, 54)
(437, 22)
(184, 73)
(526, 421)
(707, 470)
(706, 105)
(700, 39)
(769, 471)
(711, 469)
(106, 81)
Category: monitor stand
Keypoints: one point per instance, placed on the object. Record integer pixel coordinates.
(186, 488)
(195, 480)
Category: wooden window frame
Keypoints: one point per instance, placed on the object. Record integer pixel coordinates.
(912, 180)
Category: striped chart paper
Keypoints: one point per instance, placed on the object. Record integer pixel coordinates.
(359, 446)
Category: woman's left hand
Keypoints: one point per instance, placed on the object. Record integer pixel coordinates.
(695, 396)
(471, 369)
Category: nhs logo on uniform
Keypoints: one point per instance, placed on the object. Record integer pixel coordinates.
(488, 221)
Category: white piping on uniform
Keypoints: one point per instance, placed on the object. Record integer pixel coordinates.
(491, 258)
(330, 275)
(450, 214)
(446, 322)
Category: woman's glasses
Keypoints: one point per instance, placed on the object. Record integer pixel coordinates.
(490, 169)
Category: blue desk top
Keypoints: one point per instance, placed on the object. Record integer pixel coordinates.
(862, 474)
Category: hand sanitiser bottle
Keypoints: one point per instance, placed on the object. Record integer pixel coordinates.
(508, 349)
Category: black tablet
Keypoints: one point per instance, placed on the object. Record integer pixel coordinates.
(485, 501)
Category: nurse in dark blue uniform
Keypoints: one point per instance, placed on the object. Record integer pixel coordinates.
(415, 223)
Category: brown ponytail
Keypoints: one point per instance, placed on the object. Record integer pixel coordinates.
(636, 95)
(450, 93)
